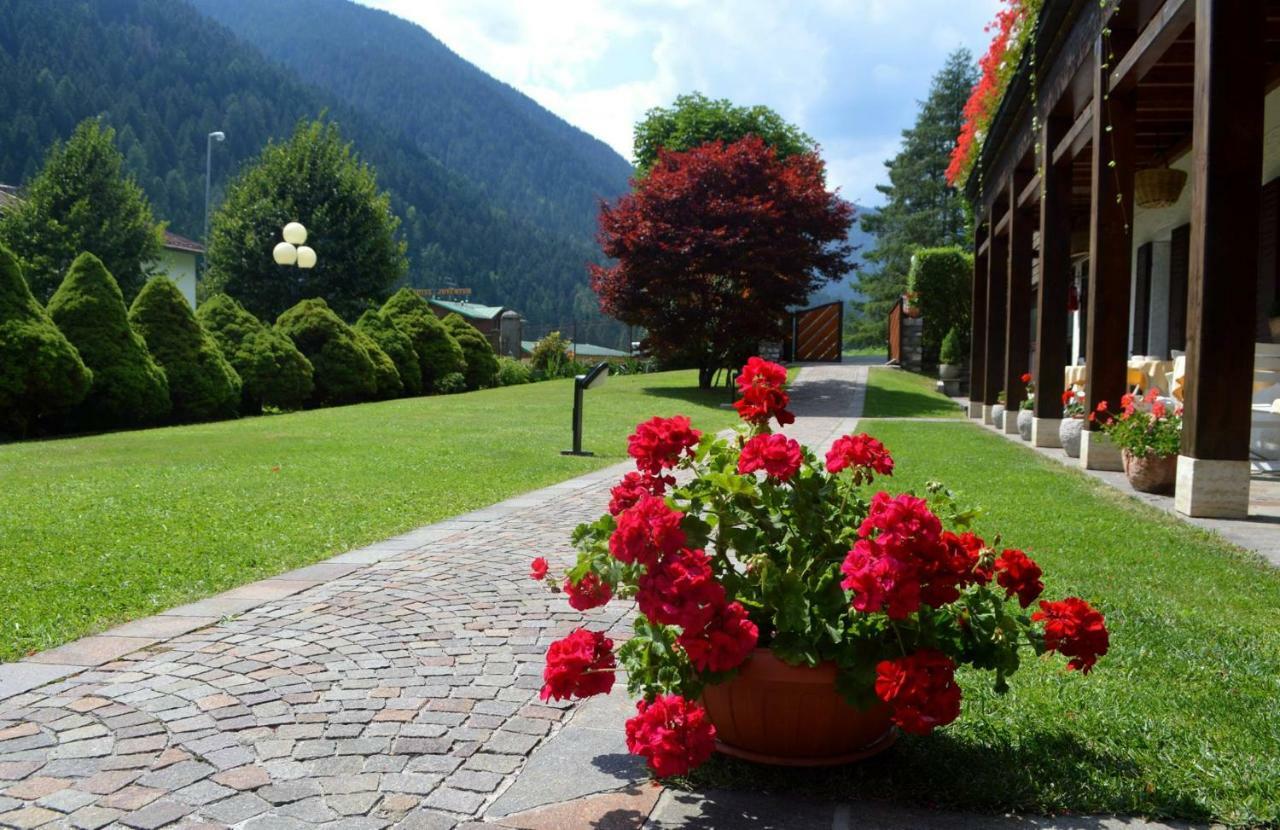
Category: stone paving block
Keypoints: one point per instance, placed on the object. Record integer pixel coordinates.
(28, 817)
(161, 627)
(623, 810)
(91, 651)
(218, 607)
(235, 809)
(177, 776)
(455, 801)
(17, 678)
(67, 800)
(132, 797)
(269, 589)
(427, 820)
(39, 787)
(92, 817)
(156, 814)
(243, 778)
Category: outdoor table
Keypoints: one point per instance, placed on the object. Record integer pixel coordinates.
(1073, 376)
(1149, 372)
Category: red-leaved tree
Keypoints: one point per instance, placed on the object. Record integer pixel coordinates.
(714, 244)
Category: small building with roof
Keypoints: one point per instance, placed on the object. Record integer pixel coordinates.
(500, 325)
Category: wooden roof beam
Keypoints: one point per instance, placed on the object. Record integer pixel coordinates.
(1165, 28)
(1075, 139)
(1029, 194)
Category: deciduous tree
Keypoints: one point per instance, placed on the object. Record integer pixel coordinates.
(695, 119)
(713, 246)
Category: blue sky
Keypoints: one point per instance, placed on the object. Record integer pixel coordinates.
(849, 72)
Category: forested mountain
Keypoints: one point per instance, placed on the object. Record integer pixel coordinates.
(163, 75)
(531, 163)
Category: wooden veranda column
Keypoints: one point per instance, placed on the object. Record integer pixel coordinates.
(978, 322)
(997, 273)
(1017, 337)
(1227, 125)
(1055, 278)
(1110, 255)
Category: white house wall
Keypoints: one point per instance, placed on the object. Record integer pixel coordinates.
(180, 266)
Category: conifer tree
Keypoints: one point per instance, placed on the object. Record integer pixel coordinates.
(274, 373)
(482, 363)
(398, 347)
(344, 372)
(438, 352)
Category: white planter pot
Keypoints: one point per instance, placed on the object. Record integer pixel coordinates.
(1069, 435)
(948, 371)
(1025, 417)
(997, 416)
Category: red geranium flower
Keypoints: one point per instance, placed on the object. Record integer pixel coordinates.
(921, 690)
(969, 545)
(682, 590)
(904, 563)
(778, 455)
(538, 568)
(1026, 377)
(862, 452)
(589, 592)
(646, 532)
(760, 372)
(673, 734)
(1075, 629)
(635, 486)
(724, 642)
(658, 444)
(759, 403)
(1018, 574)
(580, 665)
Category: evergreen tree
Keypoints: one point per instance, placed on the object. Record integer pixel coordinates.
(82, 201)
(438, 352)
(274, 373)
(202, 384)
(921, 209)
(41, 373)
(344, 373)
(129, 387)
(313, 178)
(482, 363)
(398, 347)
(386, 377)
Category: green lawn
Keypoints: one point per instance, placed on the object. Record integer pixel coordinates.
(98, 530)
(1180, 719)
(894, 393)
(865, 351)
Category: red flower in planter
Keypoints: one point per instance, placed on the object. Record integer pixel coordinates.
(646, 532)
(921, 689)
(760, 372)
(658, 444)
(538, 568)
(589, 592)
(673, 734)
(635, 486)
(1018, 574)
(861, 452)
(778, 455)
(905, 562)
(682, 590)
(1075, 629)
(970, 546)
(759, 403)
(724, 642)
(580, 665)
(1026, 377)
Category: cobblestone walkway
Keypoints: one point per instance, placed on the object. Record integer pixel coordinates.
(397, 687)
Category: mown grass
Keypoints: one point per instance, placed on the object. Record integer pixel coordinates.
(894, 393)
(1181, 719)
(102, 529)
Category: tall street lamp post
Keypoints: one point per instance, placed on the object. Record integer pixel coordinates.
(216, 135)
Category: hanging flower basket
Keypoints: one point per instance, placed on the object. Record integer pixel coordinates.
(1158, 187)
(787, 611)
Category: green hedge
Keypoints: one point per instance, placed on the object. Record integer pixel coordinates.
(398, 347)
(343, 371)
(41, 373)
(129, 387)
(482, 363)
(941, 279)
(386, 377)
(273, 372)
(202, 384)
(438, 352)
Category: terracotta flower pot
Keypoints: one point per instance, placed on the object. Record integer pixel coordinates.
(773, 713)
(1069, 436)
(1151, 473)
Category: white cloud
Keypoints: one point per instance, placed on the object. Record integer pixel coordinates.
(848, 72)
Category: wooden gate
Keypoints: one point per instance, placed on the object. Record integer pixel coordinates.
(816, 333)
(895, 333)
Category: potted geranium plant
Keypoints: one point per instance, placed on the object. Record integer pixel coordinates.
(1072, 423)
(1149, 437)
(772, 582)
(1026, 409)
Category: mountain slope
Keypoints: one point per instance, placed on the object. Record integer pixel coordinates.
(163, 75)
(531, 163)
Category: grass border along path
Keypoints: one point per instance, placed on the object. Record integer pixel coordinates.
(98, 530)
(1181, 719)
(897, 393)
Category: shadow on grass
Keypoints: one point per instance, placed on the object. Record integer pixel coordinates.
(901, 403)
(1046, 773)
(692, 394)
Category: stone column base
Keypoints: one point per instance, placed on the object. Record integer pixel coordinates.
(1044, 432)
(1011, 421)
(986, 414)
(975, 409)
(1098, 453)
(1212, 488)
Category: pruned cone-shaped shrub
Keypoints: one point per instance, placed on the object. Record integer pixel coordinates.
(398, 347)
(129, 387)
(273, 372)
(386, 376)
(343, 371)
(41, 373)
(438, 352)
(202, 384)
(482, 363)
